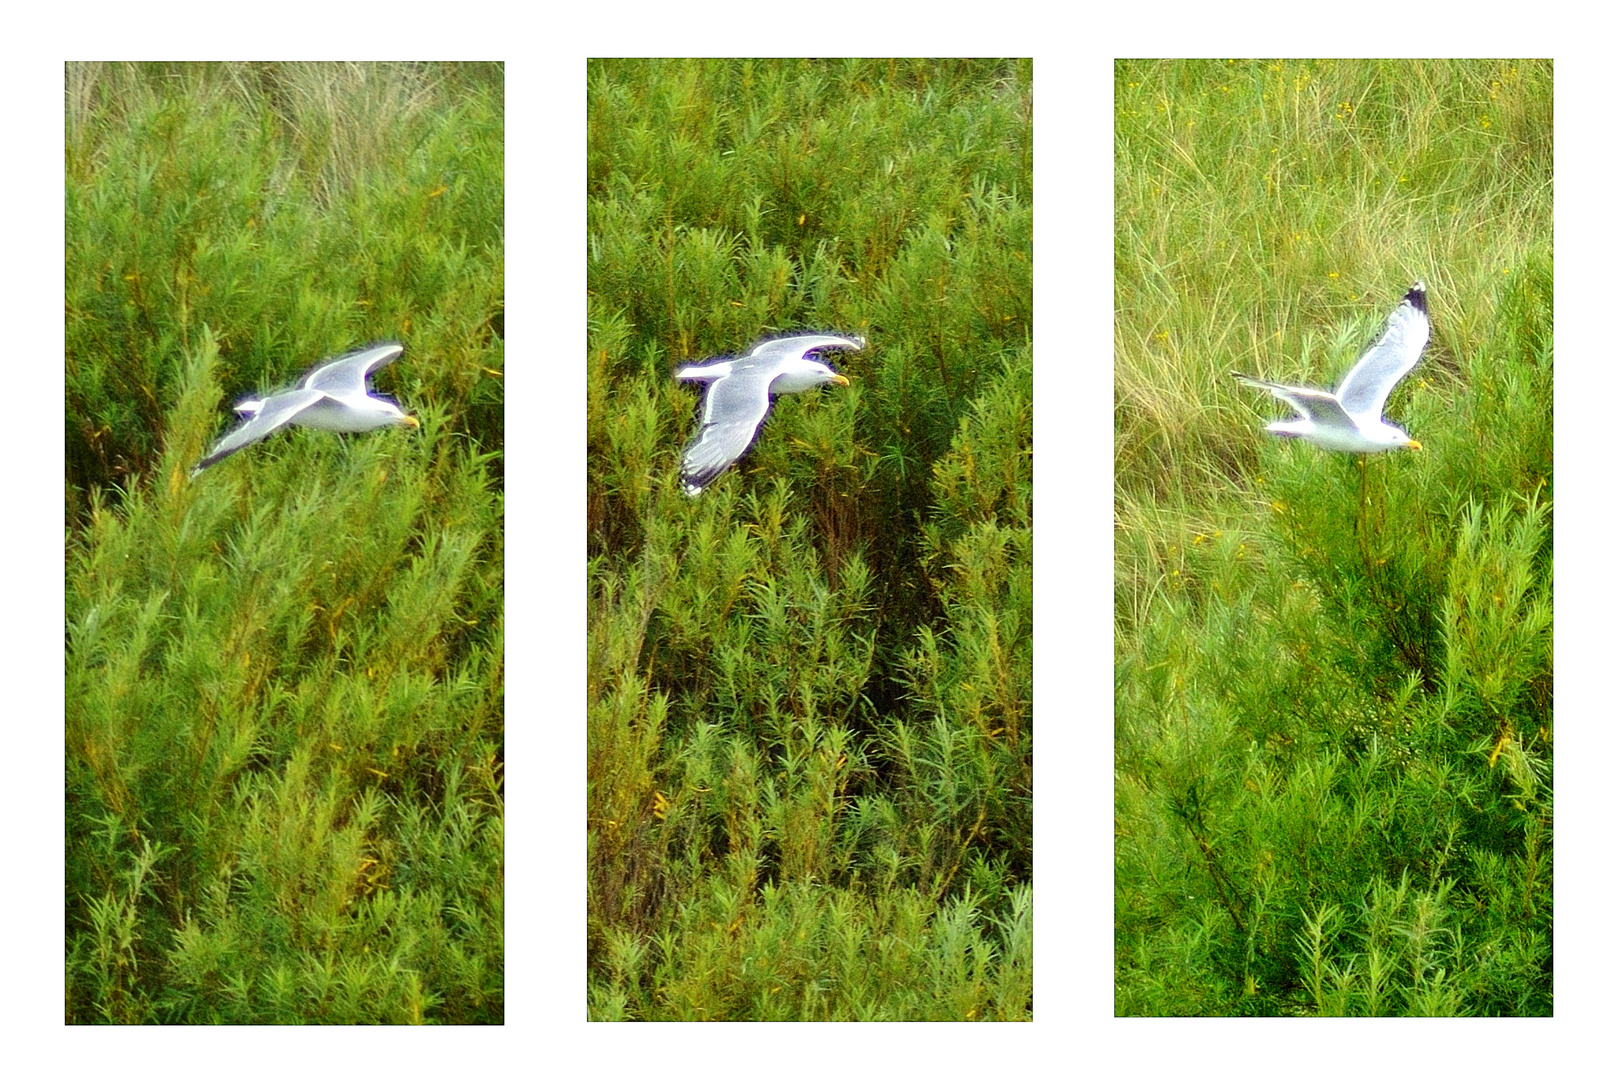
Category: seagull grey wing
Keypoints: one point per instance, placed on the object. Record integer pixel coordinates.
(347, 373)
(1367, 387)
(705, 373)
(797, 346)
(274, 413)
(733, 409)
(1317, 406)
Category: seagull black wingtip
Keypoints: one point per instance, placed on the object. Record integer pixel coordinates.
(1418, 296)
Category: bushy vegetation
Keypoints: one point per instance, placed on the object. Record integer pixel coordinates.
(284, 678)
(810, 727)
(1333, 710)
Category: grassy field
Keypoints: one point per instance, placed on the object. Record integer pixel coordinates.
(284, 679)
(810, 728)
(1333, 688)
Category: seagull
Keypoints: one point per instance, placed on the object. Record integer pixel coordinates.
(738, 394)
(1351, 419)
(332, 397)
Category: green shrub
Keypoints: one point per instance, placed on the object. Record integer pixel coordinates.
(284, 678)
(1333, 718)
(810, 732)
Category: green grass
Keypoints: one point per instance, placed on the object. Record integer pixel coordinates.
(1333, 715)
(809, 691)
(284, 679)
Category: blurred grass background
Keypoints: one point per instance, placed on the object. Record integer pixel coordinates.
(1333, 714)
(810, 726)
(284, 680)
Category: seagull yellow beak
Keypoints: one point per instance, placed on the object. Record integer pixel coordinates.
(411, 420)
(840, 380)
(1413, 444)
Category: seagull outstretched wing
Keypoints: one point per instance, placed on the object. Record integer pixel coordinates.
(1364, 391)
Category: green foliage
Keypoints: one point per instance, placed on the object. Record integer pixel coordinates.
(298, 210)
(809, 720)
(284, 678)
(1333, 713)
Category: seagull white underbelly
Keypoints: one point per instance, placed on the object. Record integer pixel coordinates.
(1363, 438)
(356, 413)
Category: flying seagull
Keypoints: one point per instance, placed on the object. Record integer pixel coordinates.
(738, 393)
(332, 397)
(1351, 419)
